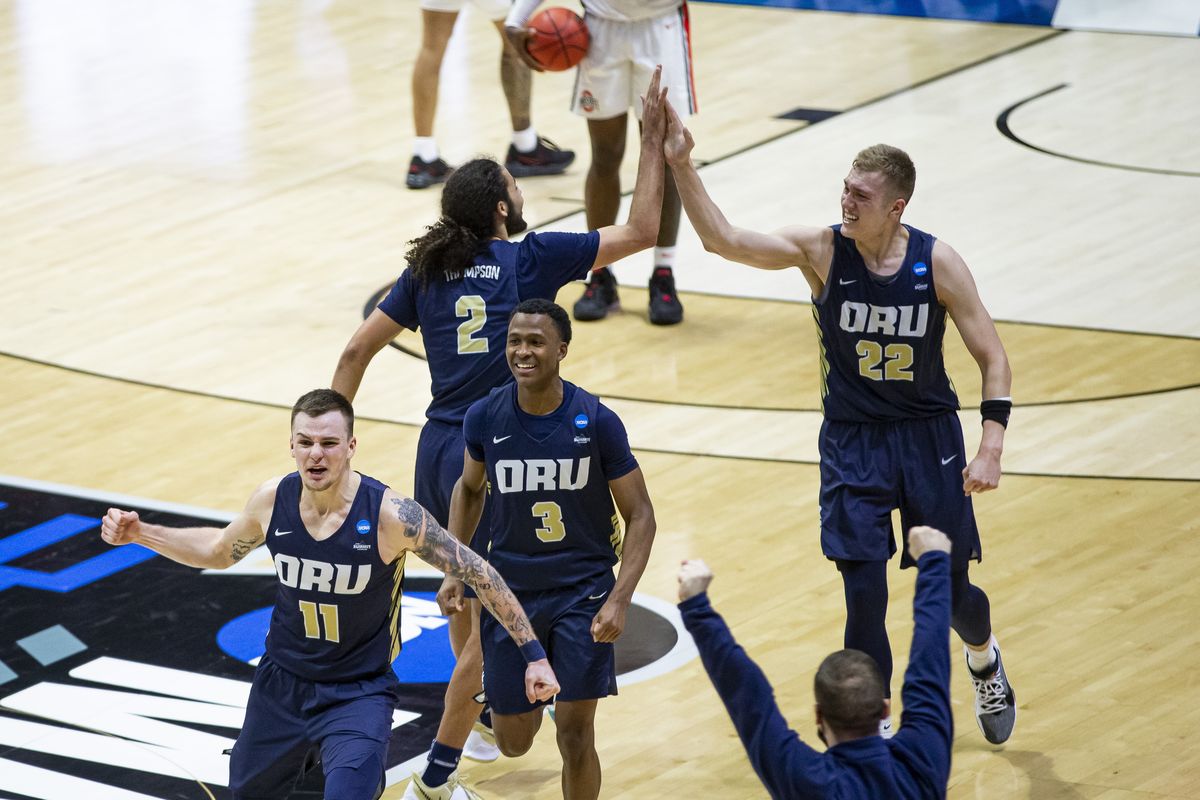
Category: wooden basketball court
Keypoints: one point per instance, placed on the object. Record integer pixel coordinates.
(200, 199)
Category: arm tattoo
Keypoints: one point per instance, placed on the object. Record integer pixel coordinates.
(412, 516)
(241, 547)
(437, 547)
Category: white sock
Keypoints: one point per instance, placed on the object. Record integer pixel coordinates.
(982, 663)
(425, 148)
(664, 257)
(525, 141)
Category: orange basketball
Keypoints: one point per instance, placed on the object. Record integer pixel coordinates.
(560, 39)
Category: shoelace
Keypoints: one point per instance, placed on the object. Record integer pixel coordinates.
(459, 782)
(991, 694)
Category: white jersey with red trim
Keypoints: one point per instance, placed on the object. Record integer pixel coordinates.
(630, 10)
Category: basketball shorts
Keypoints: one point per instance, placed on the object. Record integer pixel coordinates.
(439, 466)
(868, 469)
(288, 716)
(492, 9)
(620, 62)
(562, 620)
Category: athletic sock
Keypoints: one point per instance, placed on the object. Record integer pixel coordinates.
(982, 663)
(664, 257)
(525, 141)
(443, 760)
(425, 148)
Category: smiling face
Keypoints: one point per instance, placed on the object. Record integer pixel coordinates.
(534, 349)
(869, 205)
(322, 446)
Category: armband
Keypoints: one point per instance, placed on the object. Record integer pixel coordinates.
(997, 410)
(519, 13)
(533, 651)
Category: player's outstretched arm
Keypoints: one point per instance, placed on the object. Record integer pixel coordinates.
(926, 725)
(641, 229)
(372, 335)
(957, 292)
(796, 246)
(786, 766)
(206, 548)
(405, 525)
(633, 503)
(466, 507)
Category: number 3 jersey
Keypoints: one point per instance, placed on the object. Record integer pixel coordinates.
(553, 520)
(337, 606)
(881, 339)
(463, 317)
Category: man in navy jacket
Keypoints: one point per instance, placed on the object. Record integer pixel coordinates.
(850, 701)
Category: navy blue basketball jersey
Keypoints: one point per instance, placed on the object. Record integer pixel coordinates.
(553, 520)
(337, 608)
(881, 340)
(463, 318)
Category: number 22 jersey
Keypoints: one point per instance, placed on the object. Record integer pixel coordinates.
(881, 338)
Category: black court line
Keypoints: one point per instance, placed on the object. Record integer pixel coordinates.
(382, 421)
(375, 298)
(1004, 128)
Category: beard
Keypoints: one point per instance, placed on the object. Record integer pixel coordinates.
(514, 223)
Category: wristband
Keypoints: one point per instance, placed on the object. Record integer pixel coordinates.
(518, 15)
(997, 410)
(532, 651)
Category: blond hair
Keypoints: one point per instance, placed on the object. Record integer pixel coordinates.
(893, 162)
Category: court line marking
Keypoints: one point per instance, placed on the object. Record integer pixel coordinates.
(1004, 128)
(660, 451)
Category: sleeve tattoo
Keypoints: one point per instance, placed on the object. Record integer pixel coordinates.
(243, 546)
(437, 547)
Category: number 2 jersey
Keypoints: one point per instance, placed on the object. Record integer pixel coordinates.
(553, 520)
(337, 606)
(881, 339)
(463, 317)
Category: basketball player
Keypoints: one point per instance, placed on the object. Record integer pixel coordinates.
(463, 279)
(891, 438)
(338, 539)
(849, 692)
(556, 460)
(529, 154)
(628, 38)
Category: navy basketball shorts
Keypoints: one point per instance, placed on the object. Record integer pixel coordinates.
(439, 466)
(287, 716)
(870, 468)
(562, 620)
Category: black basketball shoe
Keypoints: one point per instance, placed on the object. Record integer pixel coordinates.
(995, 701)
(545, 159)
(665, 308)
(599, 298)
(423, 174)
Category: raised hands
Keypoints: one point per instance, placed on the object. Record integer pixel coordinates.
(678, 143)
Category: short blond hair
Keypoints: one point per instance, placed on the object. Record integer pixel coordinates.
(893, 162)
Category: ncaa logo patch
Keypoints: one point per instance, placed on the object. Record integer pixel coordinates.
(581, 421)
(919, 268)
(363, 527)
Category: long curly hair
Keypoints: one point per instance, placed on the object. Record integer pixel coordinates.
(467, 223)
